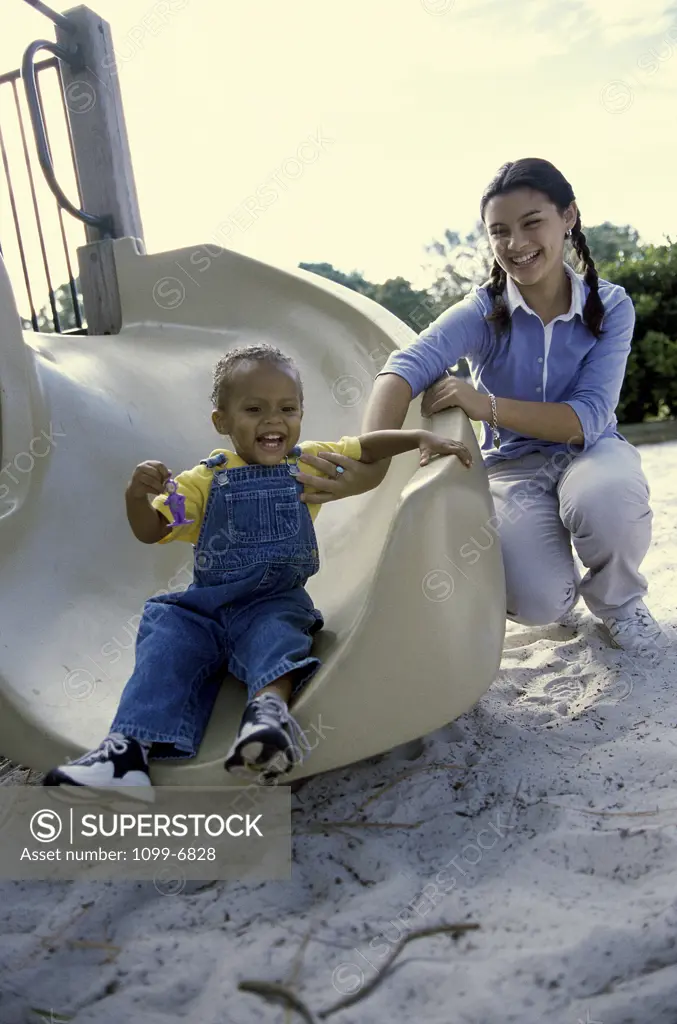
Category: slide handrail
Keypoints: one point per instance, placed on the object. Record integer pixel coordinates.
(73, 57)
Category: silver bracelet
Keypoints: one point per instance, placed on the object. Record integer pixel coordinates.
(494, 422)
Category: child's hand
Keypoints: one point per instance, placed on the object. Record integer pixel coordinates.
(148, 478)
(431, 445)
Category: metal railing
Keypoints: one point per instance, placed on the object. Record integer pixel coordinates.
(35, 108)
(12, 161)
(63, 311)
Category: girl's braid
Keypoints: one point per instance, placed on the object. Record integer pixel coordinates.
(593, 311)
(500, 314)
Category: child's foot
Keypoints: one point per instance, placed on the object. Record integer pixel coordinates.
(268, 742)
(118, 763)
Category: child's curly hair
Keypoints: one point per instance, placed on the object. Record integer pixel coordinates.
(223, 370)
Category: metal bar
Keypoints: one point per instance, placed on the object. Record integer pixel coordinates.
(58, 19)
(64, 241)
(62, 94)
(71, 280)
(55, 314)
(103, 223)
(14, 76)
(15, 217)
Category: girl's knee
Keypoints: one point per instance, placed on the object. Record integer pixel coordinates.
(612, 503)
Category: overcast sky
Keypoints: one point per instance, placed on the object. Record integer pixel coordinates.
(416, 103)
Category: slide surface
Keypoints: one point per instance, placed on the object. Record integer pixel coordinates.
(414, 608)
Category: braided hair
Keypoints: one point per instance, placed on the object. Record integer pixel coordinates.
(593, 311)
(541, 176)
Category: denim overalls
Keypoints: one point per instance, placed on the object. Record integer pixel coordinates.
(246, 610)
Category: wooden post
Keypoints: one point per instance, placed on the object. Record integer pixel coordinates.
(99, 286)
(103, 160)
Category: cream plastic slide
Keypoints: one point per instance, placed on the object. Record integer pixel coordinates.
(415, 611)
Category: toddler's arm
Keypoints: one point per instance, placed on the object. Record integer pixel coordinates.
(148, 525)
(384, 444)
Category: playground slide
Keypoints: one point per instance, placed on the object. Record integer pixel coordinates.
(414, 630)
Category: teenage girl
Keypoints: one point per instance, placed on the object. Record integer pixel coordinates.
(547, 349)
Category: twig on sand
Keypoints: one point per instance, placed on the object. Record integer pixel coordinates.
(16, 775)
(273, 992)
(335, 826)
(334, 829)
(45, 942)
(438, 766)
(610, 814)
(295, 968)
(514, 802)
(50, 1017)
(109, 948)
(419, 933)
(407, 775)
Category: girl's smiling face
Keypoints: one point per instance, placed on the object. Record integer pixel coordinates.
(261, 409)
(526, 232)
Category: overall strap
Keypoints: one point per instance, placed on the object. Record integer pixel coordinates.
(293, 454)
(212, 463)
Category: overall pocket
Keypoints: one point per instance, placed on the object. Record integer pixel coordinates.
(242, 582)
(260, 517)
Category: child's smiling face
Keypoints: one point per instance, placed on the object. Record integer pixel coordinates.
(261, 410)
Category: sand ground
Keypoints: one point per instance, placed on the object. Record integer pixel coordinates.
(547, 816)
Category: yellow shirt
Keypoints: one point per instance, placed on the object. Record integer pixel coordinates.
(196, 483)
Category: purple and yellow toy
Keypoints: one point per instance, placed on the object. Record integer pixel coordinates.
(177, 503)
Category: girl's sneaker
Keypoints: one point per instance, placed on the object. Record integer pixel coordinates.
(118, 763)
(269, 740)
(638, 633)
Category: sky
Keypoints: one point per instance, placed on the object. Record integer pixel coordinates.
(370, 126)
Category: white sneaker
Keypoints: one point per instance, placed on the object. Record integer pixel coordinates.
(638, 633)
(118, 763)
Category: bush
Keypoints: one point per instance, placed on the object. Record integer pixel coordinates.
(650, 278)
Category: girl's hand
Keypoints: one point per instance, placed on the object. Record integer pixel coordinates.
(432, 445)
(451, 392)
(357, 477)
(148, 478)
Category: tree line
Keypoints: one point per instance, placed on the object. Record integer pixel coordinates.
(647, 272)
(456, 264)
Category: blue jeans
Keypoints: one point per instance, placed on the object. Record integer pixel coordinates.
(246, 612)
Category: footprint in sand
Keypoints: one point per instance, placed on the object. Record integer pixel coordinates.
(563, 691)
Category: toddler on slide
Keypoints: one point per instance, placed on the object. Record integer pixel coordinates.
(247, 610)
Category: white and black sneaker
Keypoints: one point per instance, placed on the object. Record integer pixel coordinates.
(638, 633)
(269, 741)
(118, 763)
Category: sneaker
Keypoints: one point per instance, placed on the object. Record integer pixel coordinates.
(118, 763)
(269, 740)
(638, 633)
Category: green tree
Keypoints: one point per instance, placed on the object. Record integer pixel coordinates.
(63, 301)
(650, 278)
(354, 280)
(416, 307)
(609, 242)
(412, 305)
(458, 264)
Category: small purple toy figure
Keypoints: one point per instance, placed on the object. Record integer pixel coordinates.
(177, 503)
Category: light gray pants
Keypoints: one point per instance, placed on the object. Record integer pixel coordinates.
(599, 501)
